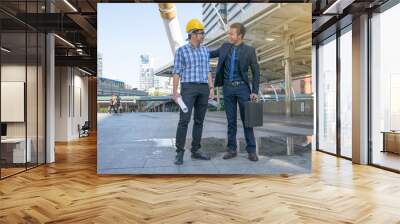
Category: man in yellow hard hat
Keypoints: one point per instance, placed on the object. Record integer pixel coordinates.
(194, 25)
(192, 71)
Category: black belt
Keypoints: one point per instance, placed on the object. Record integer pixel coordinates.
(195, 83)
(234, 83)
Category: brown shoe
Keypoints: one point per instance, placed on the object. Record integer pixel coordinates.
(253, 157)
(230, 155)
(200, 155)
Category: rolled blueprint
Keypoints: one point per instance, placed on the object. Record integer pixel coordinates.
(182, 105)
(213, 103)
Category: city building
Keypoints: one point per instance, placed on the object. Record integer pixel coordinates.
(99, 65)
(109, 87)
(163, 84)
(214, 17)
(146, 72)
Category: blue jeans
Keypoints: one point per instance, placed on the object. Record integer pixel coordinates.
(232, 97)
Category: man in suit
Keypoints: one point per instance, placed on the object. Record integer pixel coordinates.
(235, 59)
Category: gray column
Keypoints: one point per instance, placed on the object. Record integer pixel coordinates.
(288, 55)
(50, 93)
(289, 145)
(314, 88)
(360, 90)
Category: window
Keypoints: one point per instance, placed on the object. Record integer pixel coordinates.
(346, 93)
(327, 95)
(232, 6)
(234, 16)
(385, 87)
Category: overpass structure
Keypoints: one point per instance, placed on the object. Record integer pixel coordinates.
(140, 103)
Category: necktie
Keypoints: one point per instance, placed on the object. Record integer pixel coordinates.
(232, 64)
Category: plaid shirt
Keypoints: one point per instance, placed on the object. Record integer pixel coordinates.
(192, 64)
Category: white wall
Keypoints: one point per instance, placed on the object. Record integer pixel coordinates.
(71, 94)
(81, 89)
(62, 81)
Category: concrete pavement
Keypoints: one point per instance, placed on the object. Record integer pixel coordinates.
(143, 143)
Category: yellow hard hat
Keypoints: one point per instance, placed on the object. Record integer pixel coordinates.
(194, 24)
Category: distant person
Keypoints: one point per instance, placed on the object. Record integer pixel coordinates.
(118, 104)
(192, 70)
(235, 59)
(112, 105)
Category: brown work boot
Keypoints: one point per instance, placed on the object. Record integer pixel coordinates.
(200, 155)
(253, 157)
(230, 155)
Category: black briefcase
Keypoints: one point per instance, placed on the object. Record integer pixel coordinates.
(253, 114)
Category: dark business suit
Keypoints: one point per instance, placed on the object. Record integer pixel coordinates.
(233, 95)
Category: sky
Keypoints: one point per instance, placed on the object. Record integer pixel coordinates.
(127, 30)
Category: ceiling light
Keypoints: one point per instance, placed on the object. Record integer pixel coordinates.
(86, 72)
(70, 5)
(269, 39)
(330, 8)
(5, 50)
(337, 7)
(64, 40)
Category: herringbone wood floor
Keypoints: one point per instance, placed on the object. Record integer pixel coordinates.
(70, 191)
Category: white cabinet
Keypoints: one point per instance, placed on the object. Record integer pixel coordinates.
(18, 153)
